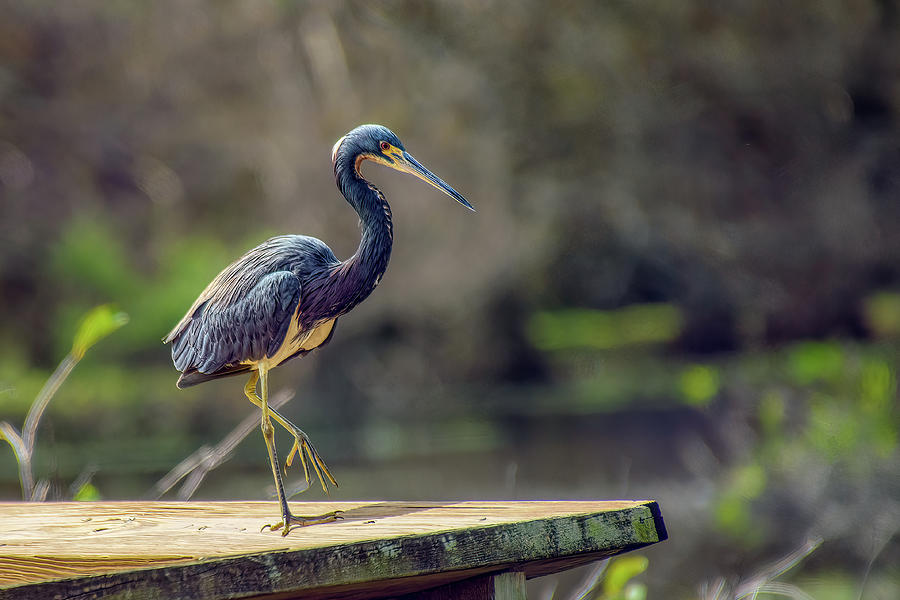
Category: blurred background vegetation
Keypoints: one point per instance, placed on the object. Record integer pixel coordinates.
(682, 281)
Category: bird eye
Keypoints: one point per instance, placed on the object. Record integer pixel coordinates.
(384, 146)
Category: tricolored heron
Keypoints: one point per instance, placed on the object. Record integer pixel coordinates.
(283, 298)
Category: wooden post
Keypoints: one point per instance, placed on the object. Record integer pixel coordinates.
(509, 585)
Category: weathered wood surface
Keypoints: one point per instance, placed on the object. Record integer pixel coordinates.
(379, 549)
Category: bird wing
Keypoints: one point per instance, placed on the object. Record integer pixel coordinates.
(245, 313)
(227, 326)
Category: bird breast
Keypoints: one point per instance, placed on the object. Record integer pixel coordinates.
(297, 339)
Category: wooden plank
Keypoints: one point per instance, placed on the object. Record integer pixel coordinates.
(216, 550)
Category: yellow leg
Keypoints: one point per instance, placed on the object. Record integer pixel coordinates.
(302, 445)
(268, 431)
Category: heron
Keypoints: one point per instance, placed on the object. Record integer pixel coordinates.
(282, 300)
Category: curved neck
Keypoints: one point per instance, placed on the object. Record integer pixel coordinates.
(358, 275)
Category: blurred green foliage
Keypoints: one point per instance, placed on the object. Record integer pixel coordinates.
(90, 262)
(584, 328)
(810, 362)
(882, 311)
(831, 408)
(699, 384)
(732, 512)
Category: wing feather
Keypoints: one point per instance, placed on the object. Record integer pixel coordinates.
(221, 335)
(245, 312)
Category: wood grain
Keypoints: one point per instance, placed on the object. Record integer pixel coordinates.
(216, 550)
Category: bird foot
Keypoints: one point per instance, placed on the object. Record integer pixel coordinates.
(304, 449)
(302, 521)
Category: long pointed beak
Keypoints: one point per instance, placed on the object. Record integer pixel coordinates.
(413, 167)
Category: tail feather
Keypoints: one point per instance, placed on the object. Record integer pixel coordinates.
(193, 376)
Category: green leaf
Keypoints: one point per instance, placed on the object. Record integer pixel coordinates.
(96, 325)
(620, 571)
(87, 493)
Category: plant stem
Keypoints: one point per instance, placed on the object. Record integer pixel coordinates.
(43, 399)
(23, 458)
(29, 431)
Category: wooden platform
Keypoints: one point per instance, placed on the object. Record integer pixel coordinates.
(198, 550)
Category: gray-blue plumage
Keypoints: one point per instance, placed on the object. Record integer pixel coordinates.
(245, 312)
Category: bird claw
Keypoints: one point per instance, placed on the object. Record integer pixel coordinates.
(304, 449)
(302, 522)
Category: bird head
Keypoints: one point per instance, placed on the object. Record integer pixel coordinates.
(379, 144)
